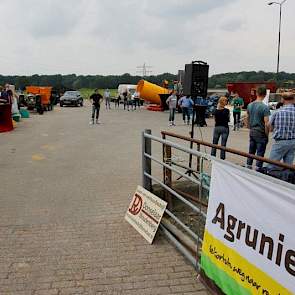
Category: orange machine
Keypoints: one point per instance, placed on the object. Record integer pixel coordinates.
(151, 92)
(44, 92)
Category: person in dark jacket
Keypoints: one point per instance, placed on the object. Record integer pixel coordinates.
(125, 100)
(117, 101)
(96, 98)
(221, 130)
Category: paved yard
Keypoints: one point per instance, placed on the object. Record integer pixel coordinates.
(65, 187)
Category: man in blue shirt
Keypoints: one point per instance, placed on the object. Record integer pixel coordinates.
(282, 123)
(186, 105)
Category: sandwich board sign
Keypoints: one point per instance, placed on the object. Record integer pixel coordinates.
(249, 241)
(145, 213)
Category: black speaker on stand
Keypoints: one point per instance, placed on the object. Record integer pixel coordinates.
(196, 79)
(196, 85)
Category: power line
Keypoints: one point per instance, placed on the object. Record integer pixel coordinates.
(143, 70)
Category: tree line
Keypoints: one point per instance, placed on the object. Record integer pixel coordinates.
(74, 81)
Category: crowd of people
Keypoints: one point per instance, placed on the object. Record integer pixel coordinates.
(185, 103)
(130, 102)
(258, 119)
(260, 123)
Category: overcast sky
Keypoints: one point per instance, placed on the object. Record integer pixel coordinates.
(114, 37)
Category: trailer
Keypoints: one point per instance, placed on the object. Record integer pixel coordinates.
(247, 90)
(39, 98)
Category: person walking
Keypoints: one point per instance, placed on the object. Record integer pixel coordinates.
(172, 103)
(129, 100)
(107, 97)
(221, 129)
(186, 104)
(96, 98)
(125, 99)
(117, 101)
(257, 120)
(282, 123)
(238, 104)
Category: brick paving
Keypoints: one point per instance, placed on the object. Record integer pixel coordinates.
(64, 190)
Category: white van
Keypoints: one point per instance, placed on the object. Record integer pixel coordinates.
(126, 88)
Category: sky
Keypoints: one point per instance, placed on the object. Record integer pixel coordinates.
(103, 37)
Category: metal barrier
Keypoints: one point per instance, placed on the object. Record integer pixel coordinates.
(199, 171)
(228, 150)
(190, 244)
(177, 236)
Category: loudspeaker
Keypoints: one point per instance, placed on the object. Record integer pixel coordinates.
(196, 79)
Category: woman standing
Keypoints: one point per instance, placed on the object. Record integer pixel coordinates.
(222, 117)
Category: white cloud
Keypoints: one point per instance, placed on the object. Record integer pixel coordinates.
(110, 37)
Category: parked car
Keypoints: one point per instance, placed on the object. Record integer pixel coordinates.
(71, 98)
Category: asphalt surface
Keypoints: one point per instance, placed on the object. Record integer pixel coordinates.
(65, 187)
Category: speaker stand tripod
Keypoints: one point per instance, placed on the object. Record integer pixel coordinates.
(189, 171)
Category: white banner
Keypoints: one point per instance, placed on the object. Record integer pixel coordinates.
(252, 216)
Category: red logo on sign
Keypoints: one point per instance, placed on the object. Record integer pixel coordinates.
(136, 205)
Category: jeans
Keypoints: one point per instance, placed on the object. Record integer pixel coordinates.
(133, 104)
(95, 109)
(223, 132)
(237, 120)
(257, 146)
(186, 113)
(172, 115)
(117, 103)
(283, 150)
(108, 105)
(136, 103)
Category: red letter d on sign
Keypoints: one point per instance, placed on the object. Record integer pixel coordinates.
(136, 205)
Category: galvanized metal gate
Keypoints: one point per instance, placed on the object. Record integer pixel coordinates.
(197, 172)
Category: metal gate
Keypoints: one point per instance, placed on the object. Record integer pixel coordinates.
(195, 169)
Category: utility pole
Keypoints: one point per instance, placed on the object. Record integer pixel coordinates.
(143, 70)
(280, 24)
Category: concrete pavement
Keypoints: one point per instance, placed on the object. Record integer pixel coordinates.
(65, 187)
